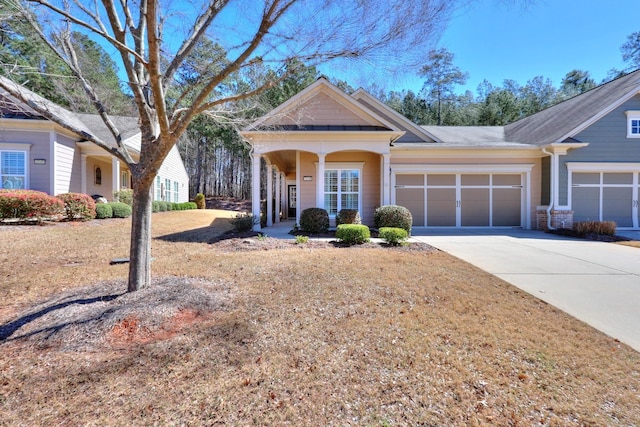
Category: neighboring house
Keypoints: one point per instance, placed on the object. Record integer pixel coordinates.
(578, 160)
(38, 154)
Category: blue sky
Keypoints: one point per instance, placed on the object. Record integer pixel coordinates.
(521, 39)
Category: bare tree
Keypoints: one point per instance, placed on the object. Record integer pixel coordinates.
(153, 38)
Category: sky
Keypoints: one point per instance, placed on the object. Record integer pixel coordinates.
(521, 39)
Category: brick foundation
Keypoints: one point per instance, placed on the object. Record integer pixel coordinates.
(559, 219)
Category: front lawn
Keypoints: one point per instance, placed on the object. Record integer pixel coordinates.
(286, 335)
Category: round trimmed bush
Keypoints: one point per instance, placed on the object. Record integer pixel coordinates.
(314, 220)
(103, 210)
(243, 222)
(120, 210)
(392, 235)
(169, 206)
(393, 216)
(348, 216)
(353, 234)
(162, 205)
(155, 206)
(78, 206)
(29, 205)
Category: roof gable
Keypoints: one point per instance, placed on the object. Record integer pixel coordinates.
(322, 106)
(566, 119)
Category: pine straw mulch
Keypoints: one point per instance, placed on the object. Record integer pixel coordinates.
(103, 316)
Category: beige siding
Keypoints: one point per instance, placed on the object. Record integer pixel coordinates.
(105, 189)
(321, 110)
(39, 175)
(307, 191)
(67, 168)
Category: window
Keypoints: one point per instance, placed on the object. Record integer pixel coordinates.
(633, 124)
(158, 188)
(167, 190)
(341, 190)
(13, 169)
(97, 176)
(124, 179)
(176, 190)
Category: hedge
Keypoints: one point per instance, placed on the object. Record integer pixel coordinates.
(29, 205)
(120, 210)
(104, 210)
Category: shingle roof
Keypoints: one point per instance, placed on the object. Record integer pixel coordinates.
(467, 134)
(128, 126)
(557, 122)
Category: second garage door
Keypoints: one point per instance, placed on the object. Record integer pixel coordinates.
(462, 200)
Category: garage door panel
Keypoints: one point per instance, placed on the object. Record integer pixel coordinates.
(617, 205)
(475, 207)
(586, 203)
(410, 179)
(441, 207)
(412, 199)
(507, 207)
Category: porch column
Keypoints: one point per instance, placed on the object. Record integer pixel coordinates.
(320, 181)
(386, 179)
(269, 195)
(255, 190)
(83, 172)
(278, 195)
(298, 187)
(115, 175)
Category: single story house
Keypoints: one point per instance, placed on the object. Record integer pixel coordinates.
(578, 160)
(38, 154)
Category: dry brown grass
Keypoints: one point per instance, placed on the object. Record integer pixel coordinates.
(305, 336)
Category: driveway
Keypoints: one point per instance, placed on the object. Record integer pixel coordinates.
(596, 282)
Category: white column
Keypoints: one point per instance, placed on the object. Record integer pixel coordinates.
(255, 190)
(555, 178)
(278, 195)
(283, 192)
(269, 195)
(297, 187)
(320, 181)
(115, 174)
(386, 179)
(83, 172)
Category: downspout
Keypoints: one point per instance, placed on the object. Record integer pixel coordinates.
(551, 185)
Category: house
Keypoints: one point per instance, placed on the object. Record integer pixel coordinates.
(578, 160)
(39, 154)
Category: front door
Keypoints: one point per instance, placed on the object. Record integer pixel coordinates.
(292, 201)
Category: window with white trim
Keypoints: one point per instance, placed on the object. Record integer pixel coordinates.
(633, 124)
(13, 169)
(341, 190)
(167, 190)
(176, 191)
(158, 188)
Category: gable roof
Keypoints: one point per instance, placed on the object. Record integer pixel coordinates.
(288, 115)
(562, 121)
(23, 107)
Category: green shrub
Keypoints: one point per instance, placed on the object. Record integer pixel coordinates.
(200, 201)
(78, 206)
(392, 235)
(353, 234)
(393, 216)
(103, 210)
(29, 204)
(314, 220)
(155, 206)
(124, 196)
(169, 206)
(176, 207)
(301, 240)
(162, 205)
(244, 222)
(120, 210)
(595, 227)
(348, 216)
(189, 205)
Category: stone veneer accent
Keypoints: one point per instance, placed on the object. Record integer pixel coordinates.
(559, 219)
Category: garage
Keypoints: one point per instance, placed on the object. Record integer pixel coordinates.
(462, 199)
(605, 196)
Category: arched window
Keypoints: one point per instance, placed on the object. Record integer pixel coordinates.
(98, 176)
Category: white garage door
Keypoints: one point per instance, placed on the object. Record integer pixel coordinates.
(462, 200)
(605, 196)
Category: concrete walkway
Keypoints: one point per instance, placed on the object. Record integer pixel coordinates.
(596, 282)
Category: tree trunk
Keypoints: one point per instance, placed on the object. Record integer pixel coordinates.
(140, 250)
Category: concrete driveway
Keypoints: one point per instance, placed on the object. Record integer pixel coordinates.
(596, 282)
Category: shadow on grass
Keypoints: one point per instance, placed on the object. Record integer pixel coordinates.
(217, 228)
(7, 330)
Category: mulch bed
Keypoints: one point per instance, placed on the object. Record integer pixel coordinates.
(589, 236)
